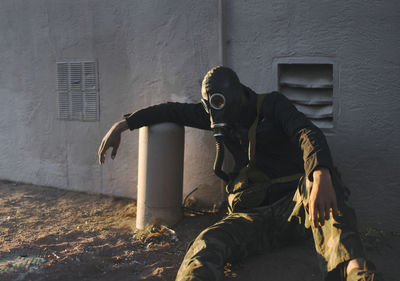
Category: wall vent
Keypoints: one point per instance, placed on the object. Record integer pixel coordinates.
(77, 90)
(310, 88)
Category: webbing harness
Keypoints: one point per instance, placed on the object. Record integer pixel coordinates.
(249, 188)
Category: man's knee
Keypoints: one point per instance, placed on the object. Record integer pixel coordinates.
(206, 256)
(213, 239)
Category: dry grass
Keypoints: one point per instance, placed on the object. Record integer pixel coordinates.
(80, 236)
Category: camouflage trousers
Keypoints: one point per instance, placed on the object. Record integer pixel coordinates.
(267, 228)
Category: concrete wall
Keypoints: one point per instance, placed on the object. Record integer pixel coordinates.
(361, 37)
(147, 51)
(154, 51)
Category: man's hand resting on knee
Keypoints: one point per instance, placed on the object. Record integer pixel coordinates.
(112, 139)
(322, 198)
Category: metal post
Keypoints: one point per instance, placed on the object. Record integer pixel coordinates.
(160, 175)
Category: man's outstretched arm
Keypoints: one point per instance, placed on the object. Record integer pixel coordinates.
(185, 114)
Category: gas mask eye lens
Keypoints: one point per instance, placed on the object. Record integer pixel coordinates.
(217, 101)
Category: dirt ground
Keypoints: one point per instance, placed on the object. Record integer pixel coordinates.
(52, 234)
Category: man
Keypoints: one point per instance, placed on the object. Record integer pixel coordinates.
(283, 182)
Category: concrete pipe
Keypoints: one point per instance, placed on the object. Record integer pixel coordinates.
(160, 175)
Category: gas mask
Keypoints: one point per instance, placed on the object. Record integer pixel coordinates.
(222, 95)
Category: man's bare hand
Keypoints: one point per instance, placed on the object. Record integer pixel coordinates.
(112, 139)
(322, 198)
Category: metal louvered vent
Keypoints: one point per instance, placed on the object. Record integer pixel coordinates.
(310, 88)
(77, 90)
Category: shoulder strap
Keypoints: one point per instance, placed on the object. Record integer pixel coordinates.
(252, 152)
(253, 131)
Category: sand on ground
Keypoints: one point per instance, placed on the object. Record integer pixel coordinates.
(52, 234)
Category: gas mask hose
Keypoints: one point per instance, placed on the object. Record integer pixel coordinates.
(219, 159)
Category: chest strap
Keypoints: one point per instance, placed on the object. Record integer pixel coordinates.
(253, 133)
(252, 146)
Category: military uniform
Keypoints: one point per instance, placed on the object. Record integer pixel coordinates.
(287, 143)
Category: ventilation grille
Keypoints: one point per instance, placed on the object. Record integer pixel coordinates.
(310, 88)
(77, 89)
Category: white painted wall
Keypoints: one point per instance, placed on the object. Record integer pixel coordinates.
(154, 51)
(147, 51)
(362, 37)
